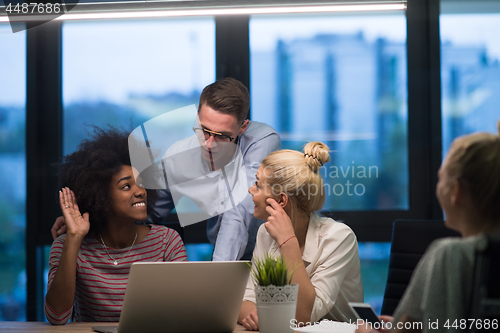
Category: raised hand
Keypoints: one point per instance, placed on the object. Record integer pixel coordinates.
(278, 224)
(76, 224)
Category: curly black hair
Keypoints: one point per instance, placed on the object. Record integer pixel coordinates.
(89, 170)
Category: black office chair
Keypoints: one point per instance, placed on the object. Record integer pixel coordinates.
(486, 287)
(410, 239)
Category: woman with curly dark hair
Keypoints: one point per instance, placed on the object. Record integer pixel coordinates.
(89, 265)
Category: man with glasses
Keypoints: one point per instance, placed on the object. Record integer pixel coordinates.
(226, 146)
(228, 142)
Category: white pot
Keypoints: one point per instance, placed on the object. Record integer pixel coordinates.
(276, 307)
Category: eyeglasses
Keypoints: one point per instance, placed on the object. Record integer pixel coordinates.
(205, 134)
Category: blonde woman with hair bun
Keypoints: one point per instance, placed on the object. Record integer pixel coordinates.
(468, 190)
(287, 192)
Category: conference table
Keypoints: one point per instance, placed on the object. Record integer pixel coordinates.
(44, 327)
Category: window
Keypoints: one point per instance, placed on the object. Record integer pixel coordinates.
(374, 258)
(124, 73)
(13, 169)
(470, 69)
(340, 80)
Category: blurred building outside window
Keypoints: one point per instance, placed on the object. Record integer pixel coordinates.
(13, 170)
(470, 74)
(340, 79)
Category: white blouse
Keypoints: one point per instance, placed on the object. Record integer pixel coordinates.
(332, 262)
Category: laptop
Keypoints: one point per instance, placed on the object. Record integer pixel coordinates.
(182, 297)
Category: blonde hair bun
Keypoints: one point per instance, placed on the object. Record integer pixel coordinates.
(316, 154)
(296, 173)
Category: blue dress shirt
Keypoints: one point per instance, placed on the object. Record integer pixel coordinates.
(233, 233)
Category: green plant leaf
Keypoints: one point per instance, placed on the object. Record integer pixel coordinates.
(271, 271)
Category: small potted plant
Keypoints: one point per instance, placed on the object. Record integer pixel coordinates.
(276, 296)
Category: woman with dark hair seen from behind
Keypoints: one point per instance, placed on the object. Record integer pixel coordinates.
(288, 191)
(468, 190)
(89, 265)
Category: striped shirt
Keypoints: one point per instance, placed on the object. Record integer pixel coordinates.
(100, 285)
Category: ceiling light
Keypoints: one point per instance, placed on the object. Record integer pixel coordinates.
(156, 9)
